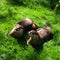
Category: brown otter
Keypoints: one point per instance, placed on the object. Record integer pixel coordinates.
(22, 27)
(39, 36)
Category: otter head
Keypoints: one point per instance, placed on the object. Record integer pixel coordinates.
(32, 33)
(17, 31)
(33, 37)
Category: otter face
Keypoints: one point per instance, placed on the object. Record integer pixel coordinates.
(32, 33)
(17, 31)
(34, 38)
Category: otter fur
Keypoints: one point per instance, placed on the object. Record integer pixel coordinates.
(22, 27)
(39, 36)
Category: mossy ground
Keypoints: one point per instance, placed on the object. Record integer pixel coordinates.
(10, 49)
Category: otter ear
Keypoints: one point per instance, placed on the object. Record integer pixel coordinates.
(33, 25)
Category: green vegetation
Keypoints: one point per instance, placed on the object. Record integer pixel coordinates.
(12, 11)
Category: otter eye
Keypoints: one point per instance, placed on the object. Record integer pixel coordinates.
(17, 29)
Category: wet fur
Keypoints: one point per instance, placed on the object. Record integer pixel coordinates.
(37, 39)
(26, 26)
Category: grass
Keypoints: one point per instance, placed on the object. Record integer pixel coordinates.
(10, 49)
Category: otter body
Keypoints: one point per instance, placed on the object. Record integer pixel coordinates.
(39, 36)
(22, 27)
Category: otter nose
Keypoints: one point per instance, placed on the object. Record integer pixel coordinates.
(11, 32)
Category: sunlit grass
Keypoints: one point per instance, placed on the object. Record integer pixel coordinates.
(10, 49)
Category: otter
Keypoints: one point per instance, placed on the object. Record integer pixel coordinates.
(39, 36)
(22, 27)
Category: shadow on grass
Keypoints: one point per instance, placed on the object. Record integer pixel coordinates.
(30, 52)
(22, 41)
(16, 2)
(58, 10)
(8, 15)
(38, 49)
(56, 38)
(2, 18)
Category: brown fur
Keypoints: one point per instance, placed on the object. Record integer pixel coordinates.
(39, 36)
(22, 27)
